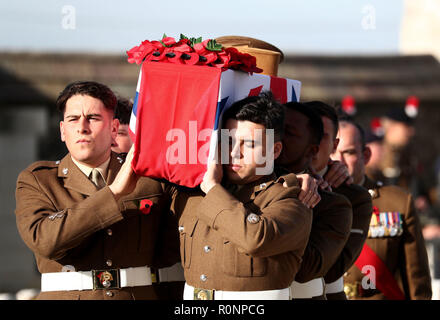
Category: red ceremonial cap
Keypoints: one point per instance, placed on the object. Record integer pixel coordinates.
(376, 127)
(348, 105)
(412, 106)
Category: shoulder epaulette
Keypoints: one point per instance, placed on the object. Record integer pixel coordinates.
(43, 165)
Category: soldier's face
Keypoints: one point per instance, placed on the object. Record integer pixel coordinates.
(350, 152)
(123, 141)
(88, 129)
(247, 151)
(397, 133)
(297, 149)
(327, 146)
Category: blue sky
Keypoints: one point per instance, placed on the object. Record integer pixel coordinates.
(316, 27)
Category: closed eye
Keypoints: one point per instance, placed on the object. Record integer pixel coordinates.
(94, 117)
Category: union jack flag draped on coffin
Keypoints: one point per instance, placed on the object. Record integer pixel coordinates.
(178, 108)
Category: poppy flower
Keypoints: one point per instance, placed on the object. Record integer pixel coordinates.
(222, 60)
(168, 41)
(174, 57)
(134, 55)
(138, 53)
(200, 49)
(190, 58)
(207, 56)
(242, 61)
(157, 44)
(183, 46)
(160, 55)
(145, 206)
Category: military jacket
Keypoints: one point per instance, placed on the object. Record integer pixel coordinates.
(362, 208)
(395, 236)
(247, 241)
(68, 223)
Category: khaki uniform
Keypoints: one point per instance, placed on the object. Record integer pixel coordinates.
(250, 241)
(362, 207)
(70, 225)
(403, 254)
(332, 221)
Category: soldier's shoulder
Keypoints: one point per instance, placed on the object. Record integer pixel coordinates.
(280, 188)
(329, 198)
(393, 191)
(353, 191)
(43, 165)
(39, 170)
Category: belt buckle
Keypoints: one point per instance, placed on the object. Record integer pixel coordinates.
(203, 294)
(351, 290)
(106, 279)
(154, 275)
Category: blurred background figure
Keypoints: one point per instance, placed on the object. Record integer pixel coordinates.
(123, 141)
(374, 141)
(395, 160)
(399, 164)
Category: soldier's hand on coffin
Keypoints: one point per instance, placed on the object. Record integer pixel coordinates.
(337, 174)
(126, 179)
(212, 176)
(308, 195)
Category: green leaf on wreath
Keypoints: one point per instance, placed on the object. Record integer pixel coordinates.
(213, 45)
(163, 37)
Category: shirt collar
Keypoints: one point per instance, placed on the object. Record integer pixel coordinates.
(102, 168)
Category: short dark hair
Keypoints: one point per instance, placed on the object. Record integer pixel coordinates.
(315, 123)
(88, 88)
(324, 110)
(262, 109)
(360, 130)
(123, 110)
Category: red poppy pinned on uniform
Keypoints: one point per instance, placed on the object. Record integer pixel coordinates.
(375, 210)
(145, 206)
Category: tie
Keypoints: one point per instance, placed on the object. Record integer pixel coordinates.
(97, 179)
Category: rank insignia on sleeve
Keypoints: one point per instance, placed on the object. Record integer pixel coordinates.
(145, 206)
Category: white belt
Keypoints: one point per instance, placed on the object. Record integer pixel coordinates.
(282, 294)
(173, 273)
(83, 280)
(307, 290)
(335, 287)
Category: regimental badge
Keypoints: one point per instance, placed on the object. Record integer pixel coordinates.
(385, 224)
(203, 294)
(105, 279)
